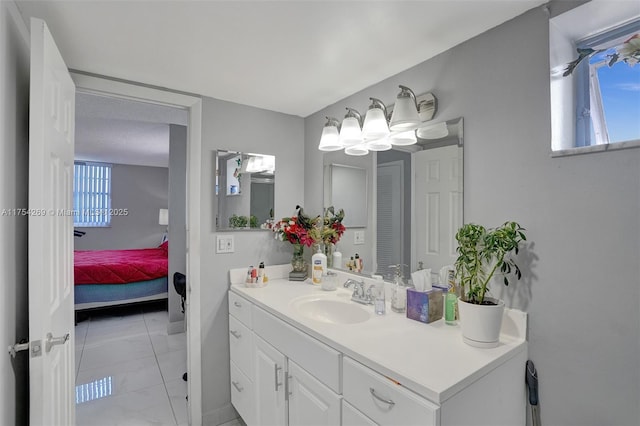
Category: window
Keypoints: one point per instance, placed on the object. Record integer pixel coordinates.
(612, 107)
(595, 105)
(91, 194)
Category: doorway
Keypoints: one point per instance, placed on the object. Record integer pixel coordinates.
(193, 105)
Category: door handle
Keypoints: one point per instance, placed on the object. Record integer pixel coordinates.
(52, 341)
(235, 334)
(275, 371)
(237, 386)
(237, 304)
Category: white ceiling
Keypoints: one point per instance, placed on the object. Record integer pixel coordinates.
(294, 57)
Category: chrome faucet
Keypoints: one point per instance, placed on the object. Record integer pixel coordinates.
(359, 295)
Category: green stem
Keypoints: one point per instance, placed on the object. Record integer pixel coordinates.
(484, 284)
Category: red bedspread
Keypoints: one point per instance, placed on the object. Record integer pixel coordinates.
(119, 266)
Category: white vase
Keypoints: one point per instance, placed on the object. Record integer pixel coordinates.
(481, 324)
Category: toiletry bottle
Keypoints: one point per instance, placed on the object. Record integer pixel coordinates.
(379, 298)
(248, 279)
(261, 273)
(358, 263)
(399, 293)
(337, 260)
(319, 265)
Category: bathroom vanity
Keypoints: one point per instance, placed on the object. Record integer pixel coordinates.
(300, 355)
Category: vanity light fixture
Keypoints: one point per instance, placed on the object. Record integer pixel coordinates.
(350, 131)
(330, 139)
(435, 131)
(380, 130)
(405, 111)
(375, 122)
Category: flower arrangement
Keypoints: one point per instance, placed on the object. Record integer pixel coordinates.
(296, 229)
(332, 229)
(628, 51)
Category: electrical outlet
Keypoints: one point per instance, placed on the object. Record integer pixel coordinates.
(358, 237)
(224, 244)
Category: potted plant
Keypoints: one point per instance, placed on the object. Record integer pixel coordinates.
(482, 253)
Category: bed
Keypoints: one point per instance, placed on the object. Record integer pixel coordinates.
(116, 277)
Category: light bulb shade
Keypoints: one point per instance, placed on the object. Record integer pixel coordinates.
(357, 150)
(375, 125)
(163, 217)
(382, 144)
(350, 133)
(404, 138)
(435, 131)
(330, 139)
(405, 112)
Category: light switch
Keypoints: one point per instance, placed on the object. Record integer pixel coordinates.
(224, 244)
(358, 237)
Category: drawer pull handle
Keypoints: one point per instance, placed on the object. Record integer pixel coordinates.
(275, 379)
(376, 396)
(237, 304)
(235, 334)
(237, 386)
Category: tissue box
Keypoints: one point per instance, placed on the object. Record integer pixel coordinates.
(424, 306)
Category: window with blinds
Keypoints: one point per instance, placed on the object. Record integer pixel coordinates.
(92, 194)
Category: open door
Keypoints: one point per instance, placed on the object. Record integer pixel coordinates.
(51, 153)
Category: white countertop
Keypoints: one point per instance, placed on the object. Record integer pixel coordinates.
(430, 359)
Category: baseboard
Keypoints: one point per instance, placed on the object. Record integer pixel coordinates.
(220, 416)
(175, 327)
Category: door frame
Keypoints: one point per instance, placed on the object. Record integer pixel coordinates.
(193, 104)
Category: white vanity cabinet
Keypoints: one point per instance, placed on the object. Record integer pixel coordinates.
(241, 349)
(287, 369)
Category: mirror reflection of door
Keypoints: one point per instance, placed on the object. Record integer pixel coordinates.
(438, 205)
(393, 218)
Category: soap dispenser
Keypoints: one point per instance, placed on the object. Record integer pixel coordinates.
(399, 291)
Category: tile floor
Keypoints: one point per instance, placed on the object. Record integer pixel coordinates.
(129, 370)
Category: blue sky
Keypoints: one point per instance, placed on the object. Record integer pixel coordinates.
(620, 89)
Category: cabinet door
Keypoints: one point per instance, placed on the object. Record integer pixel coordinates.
(352, 417)
(269, 379)
(311, 402)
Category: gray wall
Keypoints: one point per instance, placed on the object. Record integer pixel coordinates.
(14, 153)
(143, 191)
(581, 283)
(237, 127)
(177, 218)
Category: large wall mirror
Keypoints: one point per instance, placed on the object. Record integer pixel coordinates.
(418, 200)
(244, 188)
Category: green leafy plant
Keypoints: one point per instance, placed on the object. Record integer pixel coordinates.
(236, 221)
(482, 252)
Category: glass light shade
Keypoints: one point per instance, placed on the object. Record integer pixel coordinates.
(330, 139)
(404, 138)
(382, 144)
(375, 125)
(435, 131)
(357, 150)
(350, 133)
(405, 114)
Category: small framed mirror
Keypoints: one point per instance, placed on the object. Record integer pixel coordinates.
(245, 189)
(346, 188)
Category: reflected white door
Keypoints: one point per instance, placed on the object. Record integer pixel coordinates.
(438, 205)
(51, 148)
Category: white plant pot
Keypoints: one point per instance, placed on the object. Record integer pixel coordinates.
(481, 324)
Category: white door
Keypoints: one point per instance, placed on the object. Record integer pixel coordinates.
(51, 139)
(310, 402)
(438, 205)
(271, 407)
(390, 215)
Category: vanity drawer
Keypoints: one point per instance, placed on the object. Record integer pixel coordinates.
(240, 345)
(240, 308)
(322, 361)
(242, 394)
(384, 401)
(352, 417)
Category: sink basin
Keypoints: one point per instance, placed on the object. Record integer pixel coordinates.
(330, 310)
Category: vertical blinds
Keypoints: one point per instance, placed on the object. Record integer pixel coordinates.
(92, 194)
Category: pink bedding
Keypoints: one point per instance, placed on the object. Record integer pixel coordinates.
(119, 266)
